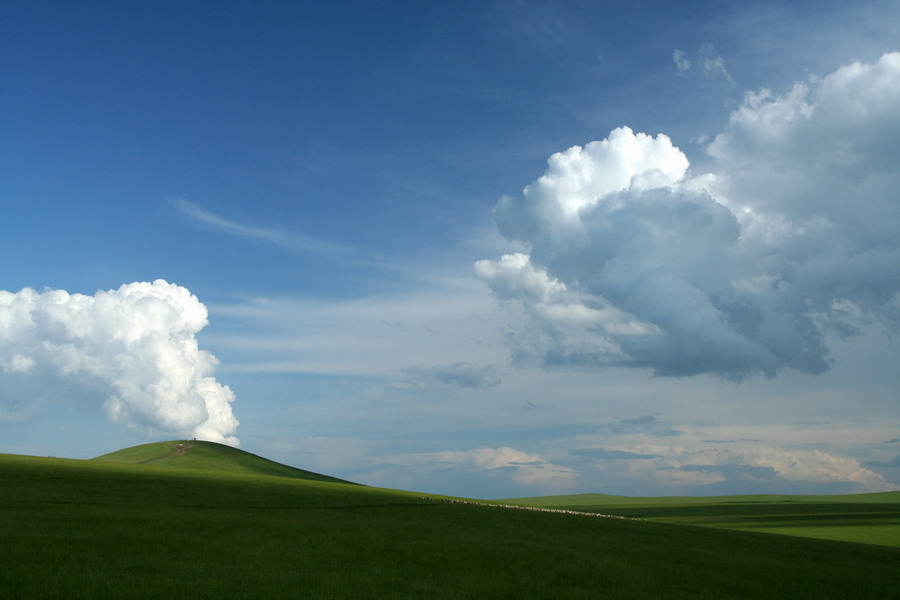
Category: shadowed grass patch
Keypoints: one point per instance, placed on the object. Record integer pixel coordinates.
(863, 518)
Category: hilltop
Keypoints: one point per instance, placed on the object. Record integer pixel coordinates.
(208, 456)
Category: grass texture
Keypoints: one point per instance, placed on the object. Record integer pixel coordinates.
(862, 518)
(108, 529)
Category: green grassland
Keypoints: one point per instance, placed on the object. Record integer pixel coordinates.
(863, 518)
(122, 529)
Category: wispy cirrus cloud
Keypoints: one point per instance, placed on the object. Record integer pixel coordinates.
(390, 335)
(279, 237)
(708, 63)
(459, 374)
(607, 454)
(682, 62)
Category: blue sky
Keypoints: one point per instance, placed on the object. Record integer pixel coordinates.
(362, 254)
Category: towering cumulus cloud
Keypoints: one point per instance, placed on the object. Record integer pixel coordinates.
(137, 340)
(634, 261)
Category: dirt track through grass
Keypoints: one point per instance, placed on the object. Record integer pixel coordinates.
(180, 450)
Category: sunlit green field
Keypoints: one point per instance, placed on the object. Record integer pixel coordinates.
(863, 518)
(107, 529)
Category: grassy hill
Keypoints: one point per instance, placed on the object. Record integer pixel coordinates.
(865, 518)
(108, 529)
(208, 456)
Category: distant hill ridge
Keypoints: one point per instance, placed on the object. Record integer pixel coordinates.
(208, 456)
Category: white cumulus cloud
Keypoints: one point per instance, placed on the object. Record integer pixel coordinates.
(138, 341)
(634, 261)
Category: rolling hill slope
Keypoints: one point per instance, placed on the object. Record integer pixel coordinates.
(208, 456)
(99, 529)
